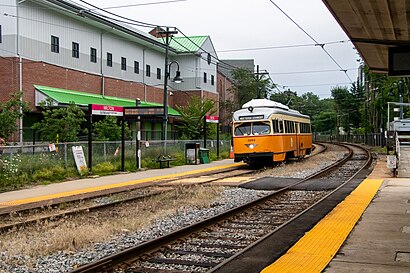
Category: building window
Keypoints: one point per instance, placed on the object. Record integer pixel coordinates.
(212, 80)
(158, 73)
(205, 77)
(76, 50)
(109, 59)
(93, 55)
(1, 35)
(136, 67)
(55, 44)
(123, 63)
(148, 70)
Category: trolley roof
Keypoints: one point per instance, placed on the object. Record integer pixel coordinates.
(258, 109)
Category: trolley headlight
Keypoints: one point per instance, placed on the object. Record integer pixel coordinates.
(251, 146)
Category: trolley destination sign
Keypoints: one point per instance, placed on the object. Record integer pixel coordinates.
(255, 117)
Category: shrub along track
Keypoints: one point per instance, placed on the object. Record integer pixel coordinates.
(16, 218)
(217, 242)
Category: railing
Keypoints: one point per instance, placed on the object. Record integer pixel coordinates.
(369, 139)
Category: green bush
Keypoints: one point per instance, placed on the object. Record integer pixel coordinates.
(104, 168)
(49, 174)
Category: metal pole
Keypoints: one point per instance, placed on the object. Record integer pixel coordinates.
(400, 87)
(123, 142)
(165, 120)
(204, 132)
(138, 139)
(217, 140)
(90, 137)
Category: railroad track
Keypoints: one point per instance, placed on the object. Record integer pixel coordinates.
(211, 244)
(18, 218)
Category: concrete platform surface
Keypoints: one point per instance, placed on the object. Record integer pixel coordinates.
(380, 241)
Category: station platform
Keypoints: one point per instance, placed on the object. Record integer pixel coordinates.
(367, 232)
(70, 190)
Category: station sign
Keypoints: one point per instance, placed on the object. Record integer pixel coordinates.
(144, 111)
(212, 119)
(106, 110)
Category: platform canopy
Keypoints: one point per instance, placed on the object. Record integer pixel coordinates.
(373, 26)
(63, 97)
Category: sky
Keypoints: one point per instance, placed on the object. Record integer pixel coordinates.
(257, 26)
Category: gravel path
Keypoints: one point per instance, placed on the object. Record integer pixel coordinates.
(64, 261)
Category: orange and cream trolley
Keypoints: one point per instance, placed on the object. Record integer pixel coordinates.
(267, 131)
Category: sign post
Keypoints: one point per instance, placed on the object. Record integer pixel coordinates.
(212, 119)
(79, 159)
(137, 113)
(102, 110)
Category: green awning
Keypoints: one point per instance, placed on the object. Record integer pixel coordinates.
(64, 96)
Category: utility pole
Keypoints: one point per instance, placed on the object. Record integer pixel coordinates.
(258, 77)
(167, 34)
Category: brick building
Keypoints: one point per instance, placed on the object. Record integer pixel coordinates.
(55, 46)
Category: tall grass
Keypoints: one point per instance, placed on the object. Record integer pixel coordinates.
(19, 170)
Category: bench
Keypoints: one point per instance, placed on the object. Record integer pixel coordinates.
(162, 160)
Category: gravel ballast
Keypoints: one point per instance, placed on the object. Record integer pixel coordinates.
(64, 261)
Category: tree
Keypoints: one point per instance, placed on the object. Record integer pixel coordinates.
(9, 115)
(192, 117)
(64, 122)
(107, 129)
(250, 87)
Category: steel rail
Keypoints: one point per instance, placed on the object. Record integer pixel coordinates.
(130, 254)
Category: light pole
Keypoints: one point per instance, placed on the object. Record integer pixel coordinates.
(176, 79)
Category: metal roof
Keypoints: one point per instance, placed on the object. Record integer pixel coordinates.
(188, 44)
(373, 26)
(64, 97)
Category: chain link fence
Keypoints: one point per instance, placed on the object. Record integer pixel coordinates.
(378, 139)
(20, 165)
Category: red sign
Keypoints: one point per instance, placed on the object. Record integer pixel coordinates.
(106, 110)
(212, 119)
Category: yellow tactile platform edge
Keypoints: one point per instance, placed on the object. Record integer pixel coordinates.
(109, 186)
(315, 249)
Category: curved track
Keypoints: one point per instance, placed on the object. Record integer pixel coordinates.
(218, 242)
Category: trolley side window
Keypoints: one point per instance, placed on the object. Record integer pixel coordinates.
(305, 128)
(243, 129)
(277, 126)
(260, 128)
(290, 126)
(281, 126)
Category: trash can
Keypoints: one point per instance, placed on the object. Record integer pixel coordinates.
(192, 153)
(204, 155)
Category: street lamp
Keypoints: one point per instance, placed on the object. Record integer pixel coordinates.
(176, 79)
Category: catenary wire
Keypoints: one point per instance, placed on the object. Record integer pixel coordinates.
(279, 47)
(313, 39)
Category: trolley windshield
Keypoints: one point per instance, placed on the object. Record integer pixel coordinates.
(252, 128)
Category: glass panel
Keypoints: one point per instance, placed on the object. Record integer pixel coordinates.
(243, 130)
(261, 128)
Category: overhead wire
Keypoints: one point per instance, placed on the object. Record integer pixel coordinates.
(143, 24)
(144, 4)
(308, 72)
(220, 62)
(313, 39)
(279, 47)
